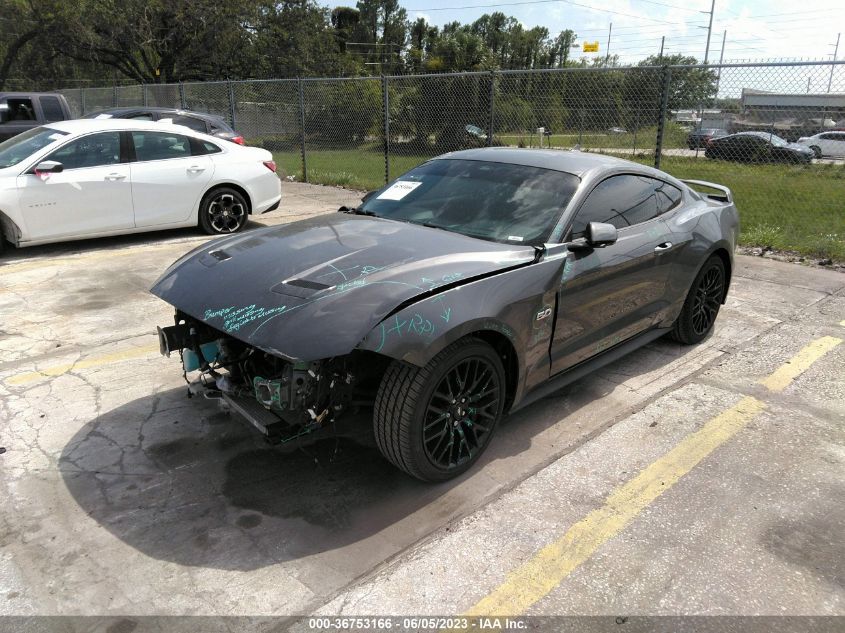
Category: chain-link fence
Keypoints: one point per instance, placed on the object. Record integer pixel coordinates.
(741, 125)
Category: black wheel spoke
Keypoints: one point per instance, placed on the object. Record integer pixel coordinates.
(467, 392)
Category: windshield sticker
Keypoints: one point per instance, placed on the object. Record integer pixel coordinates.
(398, 190)
(514, 238)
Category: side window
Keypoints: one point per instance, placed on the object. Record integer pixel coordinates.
(160, 145)
(52, 109)
(19, 110)
(93, 150)
(198, 125)
(201, 148)
(620, 201)
(668, 197)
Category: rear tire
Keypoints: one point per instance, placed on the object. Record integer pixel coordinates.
(434, 422)
(223, 211)
(702, 304)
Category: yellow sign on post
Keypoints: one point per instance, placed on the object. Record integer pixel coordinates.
(590, 47)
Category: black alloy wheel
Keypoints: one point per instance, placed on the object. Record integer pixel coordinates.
(702, 304)
(461, 412)
(434, 422)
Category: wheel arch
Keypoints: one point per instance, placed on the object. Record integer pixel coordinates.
(9, 230)
(494, 333)
(228, 185)
(722, 253)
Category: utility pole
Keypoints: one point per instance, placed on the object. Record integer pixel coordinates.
(607, 56)
(662, 42)
(832, 66)
(721, 60)
(709, 30)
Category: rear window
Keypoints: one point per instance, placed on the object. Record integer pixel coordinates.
(52, 109)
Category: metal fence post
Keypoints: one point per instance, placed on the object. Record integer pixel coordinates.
(114, 95)
(661, 121)
(83, 100)
(386, 115)
(491, 108)
(182, 96)
(302, 129)
(144, 93)
(231, 101)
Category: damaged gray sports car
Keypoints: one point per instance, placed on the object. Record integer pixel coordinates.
(466, 289)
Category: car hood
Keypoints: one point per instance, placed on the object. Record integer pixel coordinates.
(314, 289)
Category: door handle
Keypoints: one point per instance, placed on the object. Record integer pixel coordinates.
(115, 176)
(195, 169)
(665, 246)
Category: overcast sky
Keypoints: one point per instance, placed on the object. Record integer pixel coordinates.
(756, 29)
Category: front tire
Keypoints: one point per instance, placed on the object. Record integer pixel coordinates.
(434, 422)
(817, 151)
(702, 304)
(223, 211)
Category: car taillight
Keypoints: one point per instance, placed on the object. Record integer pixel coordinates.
(271, 165)
(237, 139)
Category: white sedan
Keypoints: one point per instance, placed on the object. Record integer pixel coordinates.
(93, 178)
(825, 144)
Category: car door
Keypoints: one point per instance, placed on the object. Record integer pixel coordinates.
(608, 295)
(92, 194)
(168, 180)
(832, 144)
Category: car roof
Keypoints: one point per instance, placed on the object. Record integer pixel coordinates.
(570, 161)
(80, 126)
(157, 109)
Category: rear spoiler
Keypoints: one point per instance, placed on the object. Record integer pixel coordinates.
(725, 196)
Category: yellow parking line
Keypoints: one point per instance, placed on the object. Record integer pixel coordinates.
(798, 364)
(536, 578)
(58, 370)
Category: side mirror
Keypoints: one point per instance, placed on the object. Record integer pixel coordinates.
(597, 235)
(369, 195)
(600, 234)
(49, 167)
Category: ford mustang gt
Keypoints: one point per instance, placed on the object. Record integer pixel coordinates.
(466, 289)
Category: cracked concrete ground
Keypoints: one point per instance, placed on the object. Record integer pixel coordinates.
(123, 497)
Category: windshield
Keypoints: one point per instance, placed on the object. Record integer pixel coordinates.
(492, 201)
(23, 145)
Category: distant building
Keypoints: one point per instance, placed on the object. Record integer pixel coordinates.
(773, 106)
(787, 114)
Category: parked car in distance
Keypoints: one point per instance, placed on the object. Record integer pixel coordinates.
(22, 111)
(757, 147)
(700, 138)
(93, 178)
(197, 121)
(825, 144)
(473, 285)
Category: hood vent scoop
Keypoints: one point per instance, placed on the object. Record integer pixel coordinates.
(213, 257)
(302, 288)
